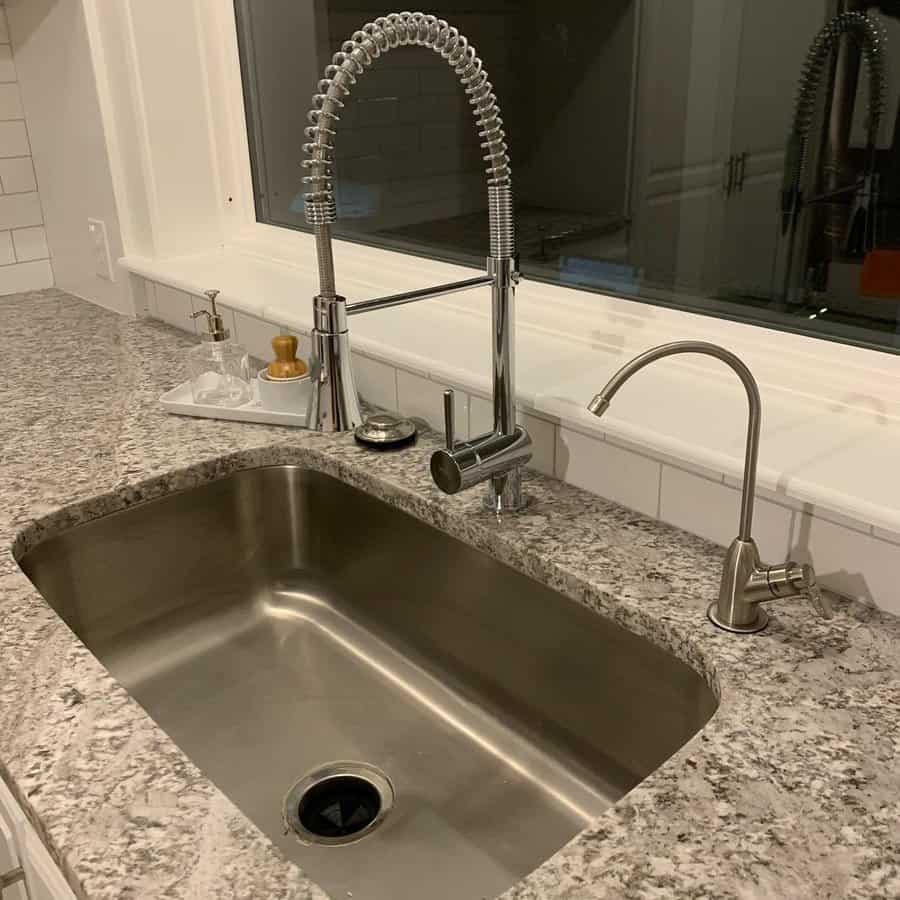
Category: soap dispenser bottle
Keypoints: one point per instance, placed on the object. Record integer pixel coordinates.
(220, 367)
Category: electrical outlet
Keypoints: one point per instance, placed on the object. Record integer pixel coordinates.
(100, 249)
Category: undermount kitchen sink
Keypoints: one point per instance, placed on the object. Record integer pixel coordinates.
(279, 620)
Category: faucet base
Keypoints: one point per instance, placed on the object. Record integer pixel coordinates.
(494, 458)
(758, 624)
(504, 493)
(334, 403)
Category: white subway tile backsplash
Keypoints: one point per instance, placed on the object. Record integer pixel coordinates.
(144, 296)
(417, 396)
(774, 496)
(30, 243)
(27, 276)
(668, 459)
(712, 509)
(174, 307)
(20, 206)
(610, 471)
(7, 253)
(304, 345)
(148, 288)
(10, 102)
(14, 139)
(375, 381)
(837, 518)
(7, 66)
(794, 503)
(256, 335)
(847, 561)
(20, 210)
(481, 415)
(17, 175)
(543, 443)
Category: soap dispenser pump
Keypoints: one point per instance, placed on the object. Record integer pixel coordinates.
(220, 367)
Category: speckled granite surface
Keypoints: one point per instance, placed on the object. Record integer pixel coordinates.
(791, 791)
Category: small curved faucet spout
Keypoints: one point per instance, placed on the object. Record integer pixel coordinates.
(745, 583)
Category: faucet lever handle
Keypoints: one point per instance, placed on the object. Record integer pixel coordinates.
(449, 429)
(803, 579)
(820, 602)
(800, 580)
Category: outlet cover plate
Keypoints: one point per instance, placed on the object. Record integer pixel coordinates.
(100, 249)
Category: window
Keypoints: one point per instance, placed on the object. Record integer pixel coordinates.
(650, 143)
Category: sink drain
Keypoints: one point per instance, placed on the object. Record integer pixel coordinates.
(338, 803)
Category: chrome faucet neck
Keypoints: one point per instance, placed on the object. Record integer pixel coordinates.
(356, 55)
(600, 403)
(498, 456)
(745, 582)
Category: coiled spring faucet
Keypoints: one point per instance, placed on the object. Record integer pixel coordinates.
(746, 582)
(495, 457)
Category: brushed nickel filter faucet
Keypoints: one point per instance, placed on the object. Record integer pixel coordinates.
(746, 582)
(495, 457)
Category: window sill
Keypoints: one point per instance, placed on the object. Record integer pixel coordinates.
(831, 412)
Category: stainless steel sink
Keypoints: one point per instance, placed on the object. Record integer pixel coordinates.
(278, 620)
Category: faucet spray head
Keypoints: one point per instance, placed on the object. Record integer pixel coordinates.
(598, 405)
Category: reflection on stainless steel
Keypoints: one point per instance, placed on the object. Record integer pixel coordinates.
(334, 403)
(859, 226)
(551, 241)
(745, 583)
(278, 620)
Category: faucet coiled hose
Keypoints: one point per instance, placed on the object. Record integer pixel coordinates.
(355, 56)
(871, 38)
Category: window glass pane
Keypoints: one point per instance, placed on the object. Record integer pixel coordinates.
(659, 149)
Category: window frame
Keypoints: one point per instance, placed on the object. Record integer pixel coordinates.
(135, 77)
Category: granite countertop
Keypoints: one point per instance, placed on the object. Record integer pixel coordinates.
(791, 791)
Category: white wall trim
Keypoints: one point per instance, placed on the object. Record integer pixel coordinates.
(135, 82)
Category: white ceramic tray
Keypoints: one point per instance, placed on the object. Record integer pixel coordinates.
(180, 402)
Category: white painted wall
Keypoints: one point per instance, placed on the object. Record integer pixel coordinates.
(24, 257)
(59, 94)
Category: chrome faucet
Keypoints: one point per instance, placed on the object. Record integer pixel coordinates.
(495, 457)
(746, 582)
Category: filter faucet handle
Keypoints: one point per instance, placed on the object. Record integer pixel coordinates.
(798, 580)
(803, 579)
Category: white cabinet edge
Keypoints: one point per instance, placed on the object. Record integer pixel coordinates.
(44, 879)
